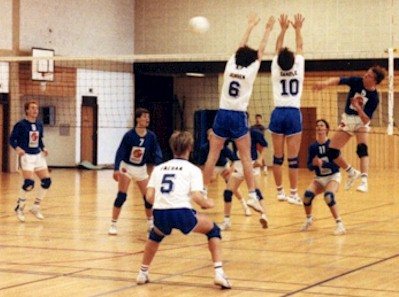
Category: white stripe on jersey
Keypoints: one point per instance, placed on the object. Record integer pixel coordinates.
(288, 85)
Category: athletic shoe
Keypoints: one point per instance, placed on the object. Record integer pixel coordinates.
(351, 179)
(263, 221)
(113, 230)
(254, 204)
(294, 199)
(340, 230)
(142, 278)
(363, 187)
(307, 224)
(225, 225)
(20, 213)
(281, 196)
(245, 207)
(222, 281)
(35, 210)
(150, 225)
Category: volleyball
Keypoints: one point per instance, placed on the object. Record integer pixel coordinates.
(199, 24)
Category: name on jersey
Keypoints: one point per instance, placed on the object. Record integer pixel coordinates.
(288, 73)
(237, 75)
(172, 168)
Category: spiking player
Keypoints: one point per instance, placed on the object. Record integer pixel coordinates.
(327, 178)
(27, 140)
(361, 102)
(288, 71)
(138, 146)
(257, 141)
(172, 188)
(231, 120)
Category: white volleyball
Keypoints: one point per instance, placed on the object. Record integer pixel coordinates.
(199, 24)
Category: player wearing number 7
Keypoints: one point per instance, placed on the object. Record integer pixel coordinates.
(231, 119)
(288, 71)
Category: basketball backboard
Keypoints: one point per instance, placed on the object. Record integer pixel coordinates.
(42, 68)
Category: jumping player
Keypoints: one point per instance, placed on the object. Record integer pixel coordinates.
(288, 71)
(361, 102)
(327, 178)
(172, 188)
(27, 140)
(231, 119)
(138, 146)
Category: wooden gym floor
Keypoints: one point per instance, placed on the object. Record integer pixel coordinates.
(70, 253)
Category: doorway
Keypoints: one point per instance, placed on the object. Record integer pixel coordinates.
(4, 128)
(89, 124)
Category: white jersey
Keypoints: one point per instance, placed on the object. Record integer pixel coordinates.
(288, 85)
(237, 85)
(173, 182)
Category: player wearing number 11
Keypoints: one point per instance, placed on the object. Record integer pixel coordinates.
(287, 70)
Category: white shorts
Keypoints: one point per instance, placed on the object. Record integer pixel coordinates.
(352, 123)
(324, 180)
(239, 170)
(33, 162)
(136, 173)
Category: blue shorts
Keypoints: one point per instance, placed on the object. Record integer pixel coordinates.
(286, 121)
(230, 124)
(183, 219)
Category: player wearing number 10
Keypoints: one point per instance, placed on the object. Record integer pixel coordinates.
(231, 119)
(287, 72)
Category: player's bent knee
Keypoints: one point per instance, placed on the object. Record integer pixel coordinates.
(293, 162)
(215, 232)
(120, 199)
(28, 185)
(333, 153)
(278, 160)
(147, 205)
(227, 196)
(308, 198)
(259, 194)
(362, 150)
(46, 183)
(155, 237)
(329, 197)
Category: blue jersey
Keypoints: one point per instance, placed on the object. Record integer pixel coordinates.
(28, 136)
(320, 150)
(256, 138)
(225, 155)
(370, 98)
(137, 151)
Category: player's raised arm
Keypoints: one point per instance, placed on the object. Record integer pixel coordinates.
(326, 83)
(266, 34)
(253, 20)
(284, 24)
(297, 25)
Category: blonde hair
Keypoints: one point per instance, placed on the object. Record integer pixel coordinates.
(180, 142)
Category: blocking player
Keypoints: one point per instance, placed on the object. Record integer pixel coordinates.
(172, 188)
(27, 140)
(138, 146)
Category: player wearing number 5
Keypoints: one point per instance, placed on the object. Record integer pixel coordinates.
(287, 70)
(231, 119)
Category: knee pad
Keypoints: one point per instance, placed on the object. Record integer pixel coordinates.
(28, 185)
(362, 150)
(227, 196)
(147, 205)
(46, 183)
(308, 198)
(215, 232)
(155, 237)
(259, 194)
(293, 162)
(329, 197)
(278, 161)
(333, 153)
(120, 199)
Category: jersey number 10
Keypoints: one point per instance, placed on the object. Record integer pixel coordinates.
(289, 87)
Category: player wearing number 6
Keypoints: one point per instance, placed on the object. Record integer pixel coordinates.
(231, 119)
(288, 71)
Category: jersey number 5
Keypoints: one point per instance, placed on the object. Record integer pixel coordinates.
(167, 183)
(291, 84)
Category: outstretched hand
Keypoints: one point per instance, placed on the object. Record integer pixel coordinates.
(270, 23)
(298, 21)
(253, 19)
(284, 22)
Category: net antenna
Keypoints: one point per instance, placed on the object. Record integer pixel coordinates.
(42, 66)
(391, 52)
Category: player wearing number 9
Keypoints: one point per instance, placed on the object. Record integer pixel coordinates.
(287, 70)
